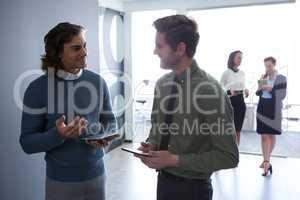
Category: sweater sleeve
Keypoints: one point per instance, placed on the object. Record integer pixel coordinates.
(107, 117)
(34, 138)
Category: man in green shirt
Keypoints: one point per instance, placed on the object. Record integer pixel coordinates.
(192, 130)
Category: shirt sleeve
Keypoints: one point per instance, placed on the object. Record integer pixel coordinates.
(223, 152)
(243, 80)
(154, 134)
(34, 138)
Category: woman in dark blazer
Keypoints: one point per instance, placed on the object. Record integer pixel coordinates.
(271, 92)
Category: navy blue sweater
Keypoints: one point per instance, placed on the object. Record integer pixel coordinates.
(45, 100)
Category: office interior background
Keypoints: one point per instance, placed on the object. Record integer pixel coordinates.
(120, 40)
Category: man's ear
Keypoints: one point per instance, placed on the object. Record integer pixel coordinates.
(61, 51)
(181, 48)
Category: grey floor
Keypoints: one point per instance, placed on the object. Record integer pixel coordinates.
(129, 179)
(288, 144)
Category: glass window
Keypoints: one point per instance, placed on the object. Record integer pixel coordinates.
(258, 31)
(145, 65)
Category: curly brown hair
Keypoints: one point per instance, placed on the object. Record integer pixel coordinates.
(179, 28)
(54, 43)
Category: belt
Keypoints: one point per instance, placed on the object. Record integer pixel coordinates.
(238, 92)
(183, 179)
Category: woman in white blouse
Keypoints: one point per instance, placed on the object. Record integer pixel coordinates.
(233, 81)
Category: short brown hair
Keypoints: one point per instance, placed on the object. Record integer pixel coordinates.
(54, 43)
(179, 28)
(271, 59)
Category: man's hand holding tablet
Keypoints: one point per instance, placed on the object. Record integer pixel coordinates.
(142, 151)
(136, 152)
(157, 159)
(100, 140)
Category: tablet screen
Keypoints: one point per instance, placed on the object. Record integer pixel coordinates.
(100, 137)
(135, 151)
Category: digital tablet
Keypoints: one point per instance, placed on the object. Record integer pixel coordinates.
(107, 137)
(262, 82)
(135, 151)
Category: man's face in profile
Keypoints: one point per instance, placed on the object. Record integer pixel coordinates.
(168, 57)
(74, 53)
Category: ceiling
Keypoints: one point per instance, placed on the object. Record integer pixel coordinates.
(138, 5)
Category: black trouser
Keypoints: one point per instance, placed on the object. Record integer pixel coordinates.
(170, 187)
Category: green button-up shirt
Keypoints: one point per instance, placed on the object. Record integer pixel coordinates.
(202, 129)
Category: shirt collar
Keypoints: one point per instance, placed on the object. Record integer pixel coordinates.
(188, 73)
(67, 75)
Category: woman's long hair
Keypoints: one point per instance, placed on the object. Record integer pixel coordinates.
(230, 63)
